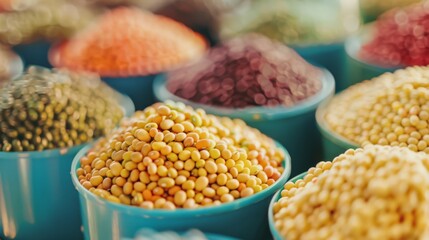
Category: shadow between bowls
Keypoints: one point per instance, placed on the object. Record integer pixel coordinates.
(244, 218)
(276, 197)
(333, 143)
(330, 56)
(294, 127)
(138, 88)
(358, 69)
(35, 53)
(37, 201)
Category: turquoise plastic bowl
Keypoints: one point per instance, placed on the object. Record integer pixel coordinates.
(35, 53)
(36, 200)
(275, 198)
(138, 88)
(294, 127)
(244, 218)
(333, 143)
(358, 69)
(330, 56)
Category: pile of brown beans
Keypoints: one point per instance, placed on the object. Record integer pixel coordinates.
(378, 192)
(250, 70)
(392, 109)
(172, 156)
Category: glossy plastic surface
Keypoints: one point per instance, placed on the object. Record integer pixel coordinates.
(34, 53)
(275, 198)
(333, 143)
(294, 127)
(37, 200)
(244, 218)
(358, 69)
(37, 197)
(139, 89)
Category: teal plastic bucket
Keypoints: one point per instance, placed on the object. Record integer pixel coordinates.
(358, 69)
(276, 197)
(333, 143)
(330, 56)
(244, 218)
(294, 127)
(35, 53)
(138, 88)
(37, 199)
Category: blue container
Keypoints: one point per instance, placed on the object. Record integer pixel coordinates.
(358, 69)
(294, 127)
(333, 143)
(37, 200)
(330, 56)
(277, 196)
(35, 53)
(244, 218)
(138, 88)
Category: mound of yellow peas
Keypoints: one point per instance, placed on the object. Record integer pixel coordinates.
(171, 156)
(392, 109)
(378, 192)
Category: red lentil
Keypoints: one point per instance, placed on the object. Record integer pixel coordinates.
(401, 38)
(128, 41)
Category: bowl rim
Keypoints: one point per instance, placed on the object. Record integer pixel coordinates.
(259, 113)
(354, 43)
(180, 213)
(327, 132)
(275, 198)
(49, 153)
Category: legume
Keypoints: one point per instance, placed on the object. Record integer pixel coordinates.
(183, 181)
(52, 20)
(378, 192)
(295, 22)
(134, 42)
(377, 7)
(44, 109)
(401, 38)
(247, 71)
(392, 109)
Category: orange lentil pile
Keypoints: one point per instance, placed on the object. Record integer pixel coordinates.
(171, 156)
(127, 42)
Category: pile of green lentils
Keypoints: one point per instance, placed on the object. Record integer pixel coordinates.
(171, 156)
(378, 192)
(392, 109)
(47, 109)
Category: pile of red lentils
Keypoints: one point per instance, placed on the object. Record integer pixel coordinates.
(171, 156)
(401, 37)
(127, 42)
